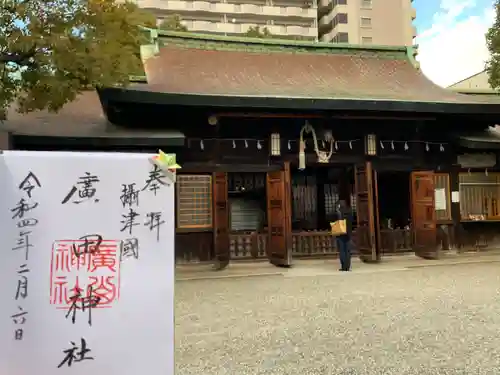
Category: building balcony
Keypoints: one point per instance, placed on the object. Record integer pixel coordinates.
(340, 28)
(204, 7)
(414, 31)
(413, 13)
(241, 28)
(324, 4)
(327, 19)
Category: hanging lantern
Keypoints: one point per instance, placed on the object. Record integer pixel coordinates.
(302, 156)
(275, 144)
(371, 145)
(213, 120)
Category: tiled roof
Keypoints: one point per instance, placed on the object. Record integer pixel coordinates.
(204, 66)
(217, 66)
(80, 118)
(83, 117)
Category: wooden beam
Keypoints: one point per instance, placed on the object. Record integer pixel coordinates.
(211, 168)
(267, 115)
(317, 116)
(373, 117)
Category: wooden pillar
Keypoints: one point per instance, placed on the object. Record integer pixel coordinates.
(288, 206)
(221, 220)
(321, 222)
(279, 218)
(366, 232)
(455, 206)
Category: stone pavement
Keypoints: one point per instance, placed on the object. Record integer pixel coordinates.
(325, 267)
(380, 319)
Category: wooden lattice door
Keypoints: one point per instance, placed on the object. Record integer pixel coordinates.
(279, 217)
(423, 215)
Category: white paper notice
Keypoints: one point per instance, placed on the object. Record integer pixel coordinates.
(87, 275)
(455, 196)
(440, 199)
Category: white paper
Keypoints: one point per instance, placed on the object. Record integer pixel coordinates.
(440, 199)
(135, 333)
(455, 196)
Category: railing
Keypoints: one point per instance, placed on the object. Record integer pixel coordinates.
(305, 244)
(327, 19)
(254, 245)
(324, 3)
(339, 28)
(230, 28)
(394, 241)
(266, 11)
(313, 243)
(248, 245)
(316, 243)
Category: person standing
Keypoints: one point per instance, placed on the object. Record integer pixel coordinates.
(343, 212)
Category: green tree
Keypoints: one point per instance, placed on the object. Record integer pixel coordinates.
(50, 51)
(173, 23)
(493, 43)
(257, 32)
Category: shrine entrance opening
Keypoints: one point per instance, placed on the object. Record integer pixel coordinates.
(315, 194)
(394, 205)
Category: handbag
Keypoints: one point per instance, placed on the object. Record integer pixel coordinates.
(339, 227)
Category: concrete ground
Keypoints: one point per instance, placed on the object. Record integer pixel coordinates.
(316, 267)
(403, 316)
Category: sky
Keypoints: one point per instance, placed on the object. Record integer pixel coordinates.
(450, 36)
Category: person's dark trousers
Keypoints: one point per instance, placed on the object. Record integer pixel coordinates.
(344, 253)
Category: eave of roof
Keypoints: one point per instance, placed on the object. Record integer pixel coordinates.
(488, 139)
(84, 119)
(210, 70)
(149, 96)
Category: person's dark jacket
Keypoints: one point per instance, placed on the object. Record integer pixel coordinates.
(345, 213)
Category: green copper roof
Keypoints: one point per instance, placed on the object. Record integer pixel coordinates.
(229, 43)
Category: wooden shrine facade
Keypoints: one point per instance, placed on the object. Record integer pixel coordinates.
(268, 146)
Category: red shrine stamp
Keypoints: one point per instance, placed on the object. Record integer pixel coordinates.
(84, 267)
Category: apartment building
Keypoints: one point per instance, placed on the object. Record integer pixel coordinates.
(381, 22)
(290, 19)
